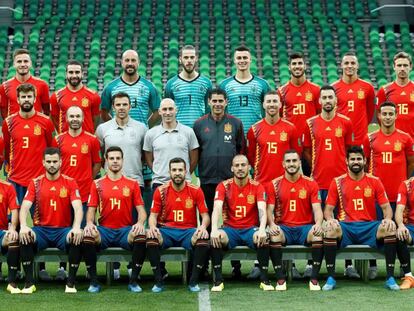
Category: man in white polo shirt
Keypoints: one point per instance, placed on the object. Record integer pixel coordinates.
(169, 140)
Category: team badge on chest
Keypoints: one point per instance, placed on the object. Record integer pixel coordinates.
(84, 148)
(85, 102)
(338, 132)
(367, 192)
(361, 94)
(188, 203)
(302, 194)
(283, 136)
(397, 146)
(126, 191)
(37, 130)
(250, 199)
(308, 96)
(1, 198)
(412, 97)
(63, 192)
(228, 128)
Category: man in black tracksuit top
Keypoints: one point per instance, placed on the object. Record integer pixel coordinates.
(220, 137)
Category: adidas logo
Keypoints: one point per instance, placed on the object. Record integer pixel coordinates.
(272, 133)
(53, 188)
(178, 200)
(299, 94)
(74, 145)
(357, 188)
(26, 126)
(115, 188)
(293, 190)
(74, 98)
(328, 129)
(350, 91)
(241, 195)
(403, 93)
(387, 143)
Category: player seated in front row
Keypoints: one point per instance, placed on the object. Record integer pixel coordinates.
(53, 196)
(173, 223)
(242, 201)
(354, 195)
(295, 217)
(116, 196)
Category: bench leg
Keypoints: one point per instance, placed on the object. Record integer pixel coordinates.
(289, 265)
(36, 268)
(109, 272)
(184, 268)
(365, 268)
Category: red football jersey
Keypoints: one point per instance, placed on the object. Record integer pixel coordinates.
(86, 99)
(240, 203)
(299, 103)
(115, 200)
(293, 200)
(24, 143)
(355, 200)
(387, 158)
(8, 95)
(266, 146)
(403, 97)
(356, 100)
(79, 154)
(328, 141)
(178, 209)
(52, 200)
(406, 197)
(1, 150)
(8, 202)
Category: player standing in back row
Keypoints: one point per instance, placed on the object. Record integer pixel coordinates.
(245, 91)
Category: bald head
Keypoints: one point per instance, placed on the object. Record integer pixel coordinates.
(130, 62)
(74, 117)
(240, 167)
(168, 110)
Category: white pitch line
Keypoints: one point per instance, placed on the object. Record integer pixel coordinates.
(204, 298)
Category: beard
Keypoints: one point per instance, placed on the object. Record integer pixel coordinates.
(356, 168)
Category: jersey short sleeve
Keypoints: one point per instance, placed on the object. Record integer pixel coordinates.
(156, 203)
(201, 202)
(137, 198)
(332, 198)
(220, 193)
(380, 194)
(93, 196)
(402, 194)
(74, 191)
(31, 192)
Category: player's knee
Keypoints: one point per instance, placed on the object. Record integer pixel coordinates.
(140, 238)
(152, 242)
(202, 243)
(89, 241)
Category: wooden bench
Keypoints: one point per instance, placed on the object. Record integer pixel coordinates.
(109, 256)
(360, 253)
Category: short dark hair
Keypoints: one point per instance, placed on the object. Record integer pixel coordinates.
(217, 91)
(20, 52)
(355, 149)
(177, 160)
(51, 151)
(271, 92)
(242, 48)
(120, 95)
(188, 47)
(290, 151)
(25, 88)
(113, 149)
(402, 55)
(388, 104)
(327, 87)
(74, 62)
(295, 55)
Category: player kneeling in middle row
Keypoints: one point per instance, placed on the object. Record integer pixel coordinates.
(294, 217)
(173, 223)
(243, 204)
(116, 196)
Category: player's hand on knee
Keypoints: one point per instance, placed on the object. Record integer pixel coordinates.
(389, 225)
(76, 236)
(201, 233)
(90, 230)
(12, 235)
(261, 237)
(402, 233)
(317, 230)
(332, 224)
(274, 229)
(153, 233)
(26, 235)
(215, 237)
(138, 229)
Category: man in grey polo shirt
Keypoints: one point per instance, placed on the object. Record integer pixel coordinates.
(169, 140)
(128, 134)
